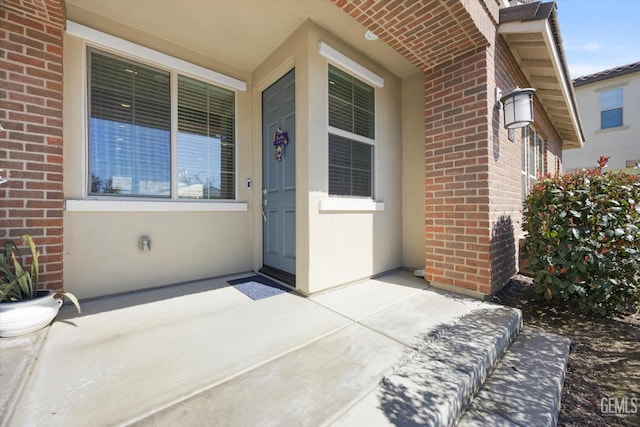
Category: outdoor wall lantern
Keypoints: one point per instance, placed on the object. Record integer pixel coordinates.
(518, 107)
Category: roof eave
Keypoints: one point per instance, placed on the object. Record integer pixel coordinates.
(557, 98)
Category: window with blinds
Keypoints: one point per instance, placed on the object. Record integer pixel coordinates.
(206, 148)
(129, 128)
(351, 135)
(130, 133)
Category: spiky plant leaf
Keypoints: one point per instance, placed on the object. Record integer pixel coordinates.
(35, 268)
(72, 298)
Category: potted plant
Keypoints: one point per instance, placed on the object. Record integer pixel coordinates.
(23, 307)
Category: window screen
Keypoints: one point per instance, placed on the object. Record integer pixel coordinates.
(206, 148)
(129, 128)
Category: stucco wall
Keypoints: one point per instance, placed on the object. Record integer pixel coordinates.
(333, 248)
(101, 248)
(413, 171)
(349, 246)
(620, 143)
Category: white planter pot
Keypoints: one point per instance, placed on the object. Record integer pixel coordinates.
(23, 317)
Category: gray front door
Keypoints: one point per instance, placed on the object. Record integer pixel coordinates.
(279, 177)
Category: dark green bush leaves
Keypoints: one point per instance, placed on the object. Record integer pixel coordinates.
(584, 240)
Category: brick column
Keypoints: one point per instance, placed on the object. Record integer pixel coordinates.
(31, 35)
(458, 129)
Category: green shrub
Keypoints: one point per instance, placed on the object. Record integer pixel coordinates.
(583, 240)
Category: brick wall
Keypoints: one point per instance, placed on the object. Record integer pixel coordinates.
(505, 176)
(31, 33)
(473, 202)
(457, 172)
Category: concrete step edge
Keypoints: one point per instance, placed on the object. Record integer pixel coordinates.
(474, 346)
(525, 389)
(436, 384)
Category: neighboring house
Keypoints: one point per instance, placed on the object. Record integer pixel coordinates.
(248, 135)
(609, 105)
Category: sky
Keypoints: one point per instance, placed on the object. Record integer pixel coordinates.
(599, 34)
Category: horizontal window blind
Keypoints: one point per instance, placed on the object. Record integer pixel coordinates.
(350, 167)
(351, 104)
(206, 135)
(129, 130)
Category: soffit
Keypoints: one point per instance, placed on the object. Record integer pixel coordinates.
(241, 34)
(427, 32)
(533, 38)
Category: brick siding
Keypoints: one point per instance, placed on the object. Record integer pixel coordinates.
(31, 33)
(456, 178)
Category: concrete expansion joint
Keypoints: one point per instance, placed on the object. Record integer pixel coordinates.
(369, 314)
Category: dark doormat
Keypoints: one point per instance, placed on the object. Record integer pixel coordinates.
(258, 287)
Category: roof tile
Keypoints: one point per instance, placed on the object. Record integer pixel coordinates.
(607, 74)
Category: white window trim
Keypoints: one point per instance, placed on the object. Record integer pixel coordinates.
(353, 136)
(540, 160)
(121, 46)
(612, 86)
(613, 129)
(350, 65)
(349, 204)
(102, 205)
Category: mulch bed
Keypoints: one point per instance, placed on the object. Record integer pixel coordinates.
(604, 363)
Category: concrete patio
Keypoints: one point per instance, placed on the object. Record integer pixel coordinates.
(387, 351)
